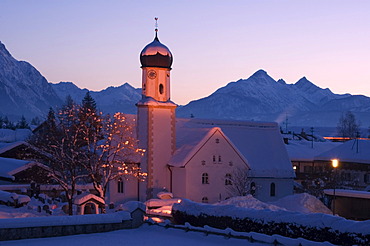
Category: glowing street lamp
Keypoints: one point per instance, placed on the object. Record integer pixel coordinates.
(334, 164)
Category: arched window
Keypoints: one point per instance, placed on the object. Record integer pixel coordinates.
(160, 89)
(214, 159)
(219, 159)
(205, 199)
(272, 189)
(253, 189)
(228, 179)
(205, 178)
(217, 140)
(203, 163)
(120, 185)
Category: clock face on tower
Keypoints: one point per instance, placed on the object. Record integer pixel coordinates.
(152, 74)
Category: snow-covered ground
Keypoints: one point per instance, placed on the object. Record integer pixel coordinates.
(144, 235)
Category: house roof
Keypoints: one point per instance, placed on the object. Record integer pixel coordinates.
(8, 165)
(259, 143)
(84, 197)
(8, 135)
(4, 147)
(302, 150)
(356, 151)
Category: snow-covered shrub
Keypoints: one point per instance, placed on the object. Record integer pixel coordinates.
(315, 227)
(13, 199)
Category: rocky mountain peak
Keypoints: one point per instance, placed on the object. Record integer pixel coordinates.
(260, 73)
(281, 81)
(3, 50)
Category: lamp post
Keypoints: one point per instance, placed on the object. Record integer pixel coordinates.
(334, 164)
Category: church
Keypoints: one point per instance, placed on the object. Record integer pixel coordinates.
(198, 159)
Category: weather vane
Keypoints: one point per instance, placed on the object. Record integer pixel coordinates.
(156, 24)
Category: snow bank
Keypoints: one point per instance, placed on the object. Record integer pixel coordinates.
(249, 202)
(316, 220)
(303, 203)
(131, 206)
(65, 220)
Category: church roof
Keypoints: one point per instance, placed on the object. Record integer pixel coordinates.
(260, 144)
(156, 54)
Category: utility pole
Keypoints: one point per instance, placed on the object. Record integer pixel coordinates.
(286, 123)
(312, 137)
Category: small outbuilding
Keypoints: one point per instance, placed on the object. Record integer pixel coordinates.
(88, 203)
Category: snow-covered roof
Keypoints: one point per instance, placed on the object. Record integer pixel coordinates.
(84, 197)
(348, 193)
(8, 135)
(8, 165)
(259, 143)
(131, 206)
(303, 151)
(356, 151)
(152, 101)
(188, 141)
(4, 147)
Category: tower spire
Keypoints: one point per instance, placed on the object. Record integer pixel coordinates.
(156, 27)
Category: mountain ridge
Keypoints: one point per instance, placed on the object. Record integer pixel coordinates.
(24, 91)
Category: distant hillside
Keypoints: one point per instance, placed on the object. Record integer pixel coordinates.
(111, 100)
(261, 98)
(23, 90)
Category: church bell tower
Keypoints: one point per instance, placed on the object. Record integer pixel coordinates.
(156, 118)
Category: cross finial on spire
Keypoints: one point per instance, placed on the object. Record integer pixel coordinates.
(156, 26)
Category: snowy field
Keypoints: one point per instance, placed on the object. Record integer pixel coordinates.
(145, 235)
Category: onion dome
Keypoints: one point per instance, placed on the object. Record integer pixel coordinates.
(156, 54)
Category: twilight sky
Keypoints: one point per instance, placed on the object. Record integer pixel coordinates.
(96, 44)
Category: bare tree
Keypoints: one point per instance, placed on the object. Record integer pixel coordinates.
(348, 126)
(59, 143)
(240, 182)
(81, 145)
(113, 152)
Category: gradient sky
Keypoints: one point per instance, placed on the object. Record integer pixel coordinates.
(96, 44)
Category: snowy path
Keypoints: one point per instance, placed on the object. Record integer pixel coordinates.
(145, 235)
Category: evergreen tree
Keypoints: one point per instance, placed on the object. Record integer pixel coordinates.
(88, 103)
(50, 121)
(22, 124)
(8, 124)
(35, 121)
(90, 119)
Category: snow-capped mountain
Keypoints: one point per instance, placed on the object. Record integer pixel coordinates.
(110, 100)
(261, 98)
(23, 90)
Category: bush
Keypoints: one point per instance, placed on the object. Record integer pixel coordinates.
(182, 214)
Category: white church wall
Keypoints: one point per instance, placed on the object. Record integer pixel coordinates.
(129, 192)
(178, 182)
(283, 187)
(203, 162)
(161, 148)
